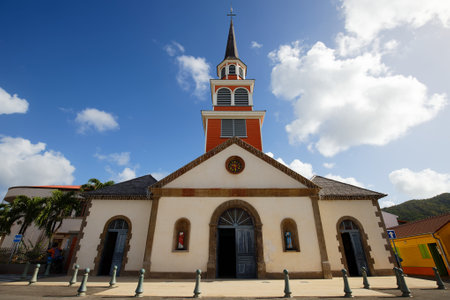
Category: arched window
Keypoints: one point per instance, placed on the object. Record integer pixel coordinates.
(241, 73)
(224, 97)
(232, 70)
(240, 97)
(222, 73)
(289, 235)
(181, 234)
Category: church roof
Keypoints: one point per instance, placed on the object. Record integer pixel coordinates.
(336, 190)
(424, 226)
(237, 141)
(135, 188)
(231, 50)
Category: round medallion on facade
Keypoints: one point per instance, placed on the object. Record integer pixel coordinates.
(235, 165)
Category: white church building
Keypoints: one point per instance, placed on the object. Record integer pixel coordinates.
(234, 212)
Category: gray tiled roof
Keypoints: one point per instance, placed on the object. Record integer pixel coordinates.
(332, 189)
(134, 187)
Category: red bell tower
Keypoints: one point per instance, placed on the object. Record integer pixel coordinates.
(232, 100)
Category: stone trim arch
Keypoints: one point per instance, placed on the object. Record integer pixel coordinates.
(289, 224)
(101, 244)
(364, 239)
(182, 224)
(260, 264)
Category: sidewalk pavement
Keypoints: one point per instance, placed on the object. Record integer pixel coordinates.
(97, 288)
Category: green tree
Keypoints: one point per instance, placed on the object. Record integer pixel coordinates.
(57, 207)
(95, 184)
(23, 209)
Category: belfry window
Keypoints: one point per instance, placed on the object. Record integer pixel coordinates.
(222, 73)
(224, 97)
(233, 127)
(240, 97)
(241, 73)
(232, 70)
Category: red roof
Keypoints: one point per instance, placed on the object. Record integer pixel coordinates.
(66, 187)
(425, 226)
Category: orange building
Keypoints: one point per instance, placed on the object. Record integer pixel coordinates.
(424, 244)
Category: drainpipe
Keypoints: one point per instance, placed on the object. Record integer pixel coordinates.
(442, 250)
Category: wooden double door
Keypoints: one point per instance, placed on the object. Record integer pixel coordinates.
(236, 255)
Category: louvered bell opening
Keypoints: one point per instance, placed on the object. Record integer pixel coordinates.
(223, 97)
(232, 70)
(222, 73)
(235, 217)
(239, 128)
(241, 73)
(227, 128)
(241, 97)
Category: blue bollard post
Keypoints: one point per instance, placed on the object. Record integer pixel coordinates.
(397, 277)
(140, 288)
(112, 282)
(47, 269)
(35, 275)
(83, 288)
(439, 281)
(347, 290)
(287, 288)
(403, 287)
(73, 280)
(365, 281)
(198, 277)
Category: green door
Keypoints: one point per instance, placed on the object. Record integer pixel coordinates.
(438, 261)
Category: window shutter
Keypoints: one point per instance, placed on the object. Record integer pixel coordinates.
(232, 69)
(224, 97)
(240, 97)
(241, 73)
(222, 73)
(239, 128)
(227, 128)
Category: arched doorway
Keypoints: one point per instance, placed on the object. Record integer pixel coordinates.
(239, 231)
(236, 257)
(113, 247)
(355, 255)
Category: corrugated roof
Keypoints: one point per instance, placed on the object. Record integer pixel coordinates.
(332, 189)
(424, 226)
(134, 187)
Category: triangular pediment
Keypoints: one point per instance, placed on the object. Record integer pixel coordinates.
(209, 171)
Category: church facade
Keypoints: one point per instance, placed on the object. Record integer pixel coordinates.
(234, 212)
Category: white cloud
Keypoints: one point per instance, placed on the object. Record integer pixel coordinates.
(97, 119)
(12, 104)
(349, 180)
(386, 203)
(193, 70)
(174, 48)
(329, 165)
(304, 169)
(367, 18)
(256, 45)
(120, 159)
(125, 175)
(423, 184)
(24, 163)
(348, 102)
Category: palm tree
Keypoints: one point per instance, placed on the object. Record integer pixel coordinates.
(95, 184)
(57, 207)
(23, 209)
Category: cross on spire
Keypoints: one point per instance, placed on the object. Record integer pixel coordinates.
(230, 14)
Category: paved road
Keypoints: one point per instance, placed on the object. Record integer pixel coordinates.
(56, 288)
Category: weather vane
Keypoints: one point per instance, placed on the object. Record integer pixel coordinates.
(231, 15)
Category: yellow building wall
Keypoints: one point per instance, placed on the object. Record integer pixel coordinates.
(444, 237)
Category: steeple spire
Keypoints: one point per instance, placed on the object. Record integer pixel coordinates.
(231, 50)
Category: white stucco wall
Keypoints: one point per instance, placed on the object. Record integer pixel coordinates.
(199, 211)
(138, 211)
(212, 173)
(362, 210)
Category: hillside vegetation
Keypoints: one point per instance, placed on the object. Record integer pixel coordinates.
(419, 209)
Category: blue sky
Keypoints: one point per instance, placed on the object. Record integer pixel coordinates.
(354, 90)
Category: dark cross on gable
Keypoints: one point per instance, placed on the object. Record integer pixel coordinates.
(231, 15)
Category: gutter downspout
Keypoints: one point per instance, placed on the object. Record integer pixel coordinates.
(442, 250)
